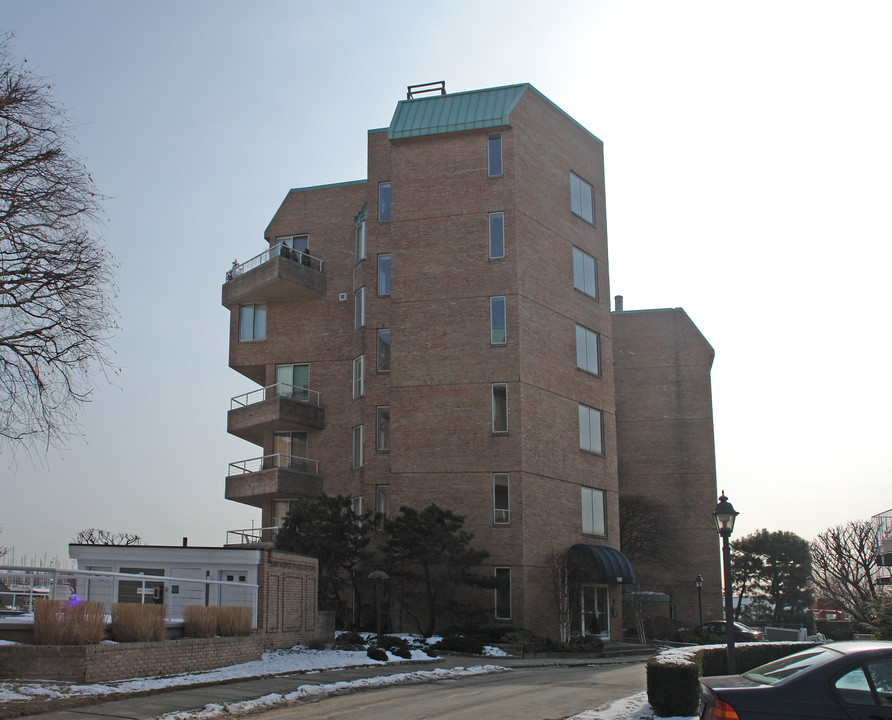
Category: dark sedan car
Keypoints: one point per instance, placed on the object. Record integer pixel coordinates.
(843, 681)
(742, 633)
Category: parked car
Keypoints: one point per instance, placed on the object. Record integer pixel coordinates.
(742, 633)
(846, 680)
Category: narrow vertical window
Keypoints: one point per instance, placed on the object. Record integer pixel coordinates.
(585, 275)
(497, 321)
(593, 512)
(360, 241)
(591, 431)
(494, 155)
(384, 350)
(252, 322)
(499, 408)
(497, 235)
(384, 201)
(503, 593)
(382, 428)
(358, 377)
(356, 506)
(582, 200)
(500, 499)
(359, 309)
(588, 350)
(382, 506)
(384, 274)
(357, 447)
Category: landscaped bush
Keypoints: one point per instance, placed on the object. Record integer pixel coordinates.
(199, 621)
(530, 642)
(395, 645)
(232, 620)
(835, 630)
(349, 640)
(59, 623)
(460, 644)
(376, 653)
(133, 622)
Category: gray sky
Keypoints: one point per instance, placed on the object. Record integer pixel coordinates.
(748, 154)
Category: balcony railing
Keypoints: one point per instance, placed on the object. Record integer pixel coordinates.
(278, 250)
(272, 462)
(295, 392)
(250, 536)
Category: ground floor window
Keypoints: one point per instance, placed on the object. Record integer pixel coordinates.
(503, 593)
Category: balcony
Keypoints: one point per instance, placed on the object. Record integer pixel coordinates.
(251, 537)
(276, 407)
(278, 273)
(256, 481)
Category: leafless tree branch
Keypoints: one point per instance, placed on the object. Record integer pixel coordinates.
(844, 562)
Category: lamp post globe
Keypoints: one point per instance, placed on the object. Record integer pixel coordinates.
(724, 516)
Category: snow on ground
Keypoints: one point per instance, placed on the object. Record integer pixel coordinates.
(634, 707)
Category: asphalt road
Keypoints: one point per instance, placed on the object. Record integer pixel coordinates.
(521, 694)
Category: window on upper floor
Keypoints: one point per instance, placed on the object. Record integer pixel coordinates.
(591, 430)
(291, 449)
(359, 241)
(281, 508)
(497, 321)
(357, 447)
(359, 309)
(588, 350)
(499, 408)
(497, 235)
(382, 506)
(382, 427)
(384, 274)
(585, 273)
(494, 154)
(384, 201)
(384, 350)
(503, 593)
(297, 244)
(582, 199)
(358, 377)
(500, 499)
(252, 322)
(593, 512)
(293, 381)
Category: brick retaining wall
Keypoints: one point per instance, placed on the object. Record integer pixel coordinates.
(115, 661)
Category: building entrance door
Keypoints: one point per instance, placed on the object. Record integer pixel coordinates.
(594, 610)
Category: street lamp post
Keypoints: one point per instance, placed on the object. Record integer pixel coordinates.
(699, 583)
(724, 515)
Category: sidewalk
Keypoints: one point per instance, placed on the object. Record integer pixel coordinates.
(145, 706)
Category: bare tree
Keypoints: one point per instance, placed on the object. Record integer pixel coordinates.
(56, 287)
(844, 564)
(95, 536)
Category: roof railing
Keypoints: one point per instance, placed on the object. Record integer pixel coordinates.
(425, 88)
(277, 250)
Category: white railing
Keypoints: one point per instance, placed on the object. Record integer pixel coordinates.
(278, 250)
(250, 536)
(270, 462)
(295, 392)
(105, 587)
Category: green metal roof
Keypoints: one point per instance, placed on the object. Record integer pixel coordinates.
(452, 113)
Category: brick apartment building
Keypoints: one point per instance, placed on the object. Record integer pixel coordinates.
(441, 332)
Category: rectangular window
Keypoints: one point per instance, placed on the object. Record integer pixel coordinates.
(358, 377)
(593, 518)
(252, 322)
(494, 155)
(384, 201)
(497, 235)
(356, 505)
(591, 434)
(384, 350)
(290, 450)
(357, 447)
(384, 274)
(499, 408)
(497, 321)
(585, 273)
(294, 247)
(500, 499)
(359, 309)
(293, 381)
(588, 350)
(281, 508)
(382, 506)
(582, 200)
(503, 593)
(382, 428)
(359, 241)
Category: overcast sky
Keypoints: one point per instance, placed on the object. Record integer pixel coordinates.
(748, 151)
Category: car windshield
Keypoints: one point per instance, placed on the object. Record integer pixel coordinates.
(791, 665)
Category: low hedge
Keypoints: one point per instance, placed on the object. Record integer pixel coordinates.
(673, 687)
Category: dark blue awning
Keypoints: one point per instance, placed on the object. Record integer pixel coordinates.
(606, 564)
